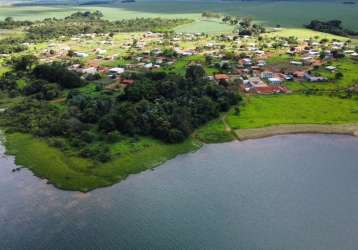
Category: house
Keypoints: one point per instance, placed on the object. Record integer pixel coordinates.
(256, 82)
(246, 61)
(221, 77)
(296, 63)
(89, 71)
(127, 81)
(224, 63)
(299, 74)
(331, 68)
(274, 80)
(116, 71)
(313, 53)
(261, 63)
(99, 51)
(80, 54)
(148, 65)
(314, 78)
(266, 74)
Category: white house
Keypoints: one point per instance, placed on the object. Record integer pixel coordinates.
(331, 68)
(116, 71)
(275, 80)
(89, 71)
(266, 74)
(81, 54)
(296, 63)
(148, 65)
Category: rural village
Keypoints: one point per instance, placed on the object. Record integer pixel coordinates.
(244, 62)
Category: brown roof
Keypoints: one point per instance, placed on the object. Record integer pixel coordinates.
(299, 73)
(127, 81)
(219, 77)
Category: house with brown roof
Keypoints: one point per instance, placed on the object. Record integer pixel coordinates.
(221, 77)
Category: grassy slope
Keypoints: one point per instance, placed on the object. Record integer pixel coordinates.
(262, 111)
(73, 173)
(214, 132)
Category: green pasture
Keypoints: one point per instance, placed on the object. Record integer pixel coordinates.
(302, 33)
(263, 111)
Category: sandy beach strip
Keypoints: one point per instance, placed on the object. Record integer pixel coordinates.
(254, 133)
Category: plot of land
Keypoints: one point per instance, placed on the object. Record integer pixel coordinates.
(262, 111)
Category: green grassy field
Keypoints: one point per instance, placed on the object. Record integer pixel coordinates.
(180, 66)
(263, 111)
(207, 26)
(302, 33)
(214, 132)
(285, 13)
(69, 172)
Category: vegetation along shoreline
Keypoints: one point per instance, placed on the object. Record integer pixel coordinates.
(85, 101)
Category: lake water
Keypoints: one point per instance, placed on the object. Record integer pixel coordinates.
(284, 192)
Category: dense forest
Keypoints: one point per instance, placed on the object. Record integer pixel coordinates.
(332, 27)
(165, 106)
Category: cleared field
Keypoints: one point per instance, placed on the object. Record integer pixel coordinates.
(302, 34)
(206, 26)
(263, 111)
(285, 13)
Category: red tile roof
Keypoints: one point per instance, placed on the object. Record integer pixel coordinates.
(127, 81)
(219, 77)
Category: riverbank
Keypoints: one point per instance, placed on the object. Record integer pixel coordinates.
(255, 133)
(67, 171)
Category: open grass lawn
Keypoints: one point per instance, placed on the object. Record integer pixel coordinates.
(262, 111)
(180, 66)
(69, 172)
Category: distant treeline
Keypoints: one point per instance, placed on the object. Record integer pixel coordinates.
(88, 22)
(332, 27)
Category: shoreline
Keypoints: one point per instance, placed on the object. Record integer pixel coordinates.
(69, 173)
(62, 181)
(257, 133)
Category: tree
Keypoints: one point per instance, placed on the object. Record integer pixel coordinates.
(24, 63)
(226, 19)
(195, 73)
(338, 75)
(9, 20)
(246, 22)
(57, 72)
(322, 54)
